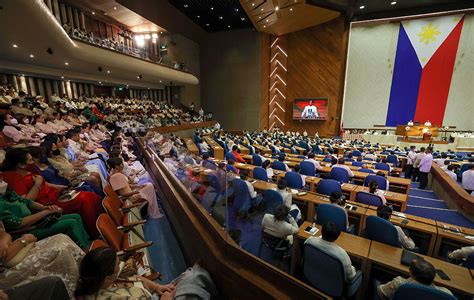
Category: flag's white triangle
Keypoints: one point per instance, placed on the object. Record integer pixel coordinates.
(427, 35)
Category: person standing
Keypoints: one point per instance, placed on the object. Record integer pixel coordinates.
(416, 164)
(468, 179)
(425, 167)
(410, 160)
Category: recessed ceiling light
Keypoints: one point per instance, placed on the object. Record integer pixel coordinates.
(261, 9)
(108, 71)
(185, 6)
(291, 9)
(212, 8)
(198, 17)
(115, 7)
(15, 46)
(228, 26)
(264, 26)
(93, 12)
(66, 63)
(243, 19)
(277, 8)
(160, 81)
(362, 7)
(221, 18)
(207, 24)
(253, 4)
(236, 9)
(266, 20)
(259, 17)
(100, 81)
(62, 77)
(393, 3)
(31, 55)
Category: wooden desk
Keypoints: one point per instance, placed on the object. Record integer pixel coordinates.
(416, 130)
(218, 151)
(423, 231)
(383, 257)
(264, 149)
(448, 241)
(191, 146)
(399, 201)
(243, 149)
(357, 247)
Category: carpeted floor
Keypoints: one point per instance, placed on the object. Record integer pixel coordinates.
(424, 203)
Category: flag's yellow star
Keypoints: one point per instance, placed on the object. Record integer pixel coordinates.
(455, 19)
(423, 59)
(429, 33)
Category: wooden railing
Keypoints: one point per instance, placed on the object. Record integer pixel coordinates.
(237, 273)
(454, 195)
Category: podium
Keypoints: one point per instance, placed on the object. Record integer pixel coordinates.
(417, 131)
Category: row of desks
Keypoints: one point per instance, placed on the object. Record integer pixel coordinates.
(372, 255)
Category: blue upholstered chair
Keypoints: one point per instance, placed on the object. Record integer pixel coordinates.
(294, 180)
(256, 160)
(260, 174)
(223, 145)
(382, 181)
(339, 174)
(392, 159)
(326, 273)
(420, 292)
(278, 165)
(369, 199)
(242, 201)
(231, 168)
(382, 231)
(330, 213)
(327, 186)
(272, 200)
(307, 168)
(229, 156)
(358, 163)
(327, 160)
(382, 166)
(356, 153)
(366, 170)
(368, 159)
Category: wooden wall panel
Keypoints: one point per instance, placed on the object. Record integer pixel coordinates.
(316, 67)
(265, 83)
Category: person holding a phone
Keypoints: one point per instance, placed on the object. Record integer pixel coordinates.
(385, 212)
(421, 272)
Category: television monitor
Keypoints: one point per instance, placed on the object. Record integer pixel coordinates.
(310, 109)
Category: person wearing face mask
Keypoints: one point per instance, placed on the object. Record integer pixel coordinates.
(11, 130)
(42, 127)
(125, 187)
(20, 174)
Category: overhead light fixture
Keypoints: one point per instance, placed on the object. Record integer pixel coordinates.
(264, 26)
(147, 36)
(253, 4)
(198, 17)
(154, 35)
(108, 71)
(100, 82)
(277, 8)
(62, 77)
(243, 19)
(15, 46)
(362, 7)
(66, 63)
(93, 12)
(228, 26)
(261, 9)
(31, 55)
(237, 9)
(185, 6)
(266, 20)
(221, 17)
(212, 8)
(207, 24)
(393, 3)
(291, 9)
(115, 7)
(140, 40)
(160, 81)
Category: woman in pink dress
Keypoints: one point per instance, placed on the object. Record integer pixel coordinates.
(124, 187)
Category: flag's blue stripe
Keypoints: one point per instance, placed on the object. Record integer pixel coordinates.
(405, 82)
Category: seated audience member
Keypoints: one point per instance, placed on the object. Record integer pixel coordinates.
(57, 255)
(461, 254)
(445, 165)
(421, 272)
(440, 161)
(374, 189)
(206, 162)
(385, 212)
(281, 158)
(281, 224)
(47, 288)
(282, 187)
(330, 232)
(12, 130)
(311, 159)
(231, 167)
(20, 175)
(267, 165)
(297, 169)
(236, 152)
(371, 155)
(450, 172)
(468, 179)
(341, 164)
(122, 185)
(99, 279)
(20, 214)
(260, 153)
(256, 198)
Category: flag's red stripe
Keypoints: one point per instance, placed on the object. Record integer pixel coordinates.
(436, 80)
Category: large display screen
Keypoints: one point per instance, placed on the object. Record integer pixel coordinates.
(310, 109)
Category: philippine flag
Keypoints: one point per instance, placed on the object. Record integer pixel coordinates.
(424, 63)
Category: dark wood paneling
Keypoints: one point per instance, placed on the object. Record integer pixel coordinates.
(265, 85)
(316, 58)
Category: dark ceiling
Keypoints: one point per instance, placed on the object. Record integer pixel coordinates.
(356, 10)
(214, 15)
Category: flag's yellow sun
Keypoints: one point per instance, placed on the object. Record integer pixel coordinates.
(429, 33)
